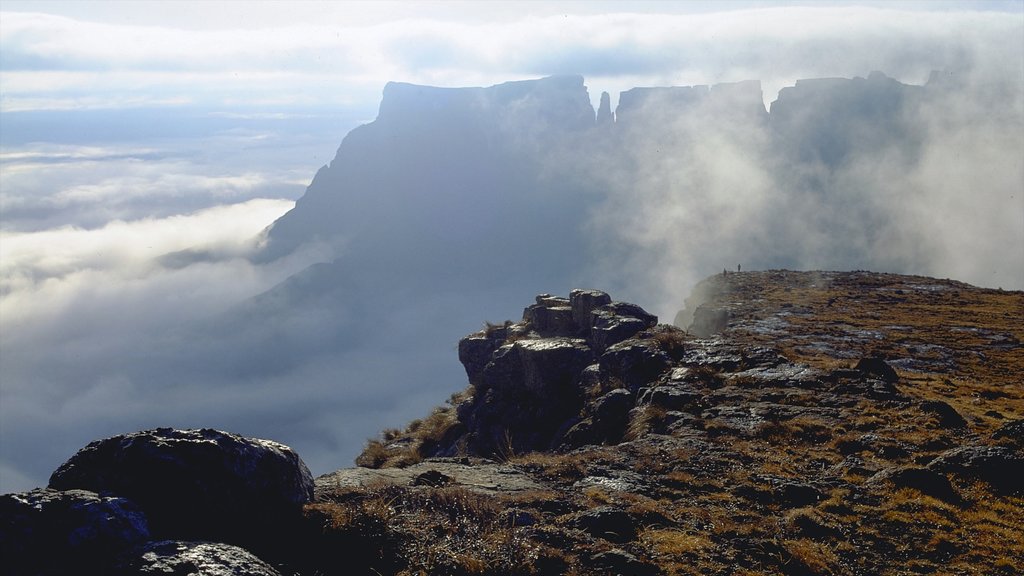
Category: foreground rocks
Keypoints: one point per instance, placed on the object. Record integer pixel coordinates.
(203, 484)
(109, 501)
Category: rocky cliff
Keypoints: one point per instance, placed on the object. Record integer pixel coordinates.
(820, 423)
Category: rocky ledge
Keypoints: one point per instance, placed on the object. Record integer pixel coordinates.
(806, 423)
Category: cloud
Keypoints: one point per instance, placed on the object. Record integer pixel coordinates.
(847, 174)
(48, 60)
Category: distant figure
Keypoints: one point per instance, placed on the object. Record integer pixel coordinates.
(724, 272)
(738, 268)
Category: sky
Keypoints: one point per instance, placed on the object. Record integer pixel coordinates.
(135, 136)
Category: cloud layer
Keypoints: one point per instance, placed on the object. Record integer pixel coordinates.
(326, 55)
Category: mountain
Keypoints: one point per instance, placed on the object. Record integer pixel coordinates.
(457, 202)
(823, 423)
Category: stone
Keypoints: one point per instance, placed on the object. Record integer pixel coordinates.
(73, 531)
(609, 523)
(878, 368)
(925, 480)
(196, 484)
(1000, 466)
(621, 563)
(611, 414)
(708, 321)
(670, 397)
(608, 329)
(537, 365)
(635, 362)
(433, 478)
(473, 474)
(631, 311)
(475, 350)
(193, 558)
(1011, 433)
(550, 320)
(583, 302)
(947, 416)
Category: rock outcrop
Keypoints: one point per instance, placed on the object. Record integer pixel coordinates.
(160, 501)
(200, 558)
(530, 379)
(203, 484)
(48, 531)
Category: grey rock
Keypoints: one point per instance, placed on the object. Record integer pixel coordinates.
(634, 362)
(52, 531)
(475, 350)
(924, 480)
(196, 484)
(537, 365)
(608, 328)
(631, 311)
(621, 563)
(670, 397)
(611, 414)
(948, 417)
(1011, 433)
(609, 523)
(708, 321)
(583, 302)
(193, 558)
(550, 320)
(1000, 466)
(878, 368)
(476, 475)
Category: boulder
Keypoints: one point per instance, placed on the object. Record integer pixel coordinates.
(539, 365)
(583, 302)
(608, 328)
(924, 480)
(1011, 433)
(550, 320)
(947, 416)
(196, 484)
(47, 531)
(670, 397)
(878, 368)
(609, 523)
(188, 558)
(708, 321)
(475, 350)
(628, 310)
(611, 414)
(621, 563)
(635, 363)
(1001, 467)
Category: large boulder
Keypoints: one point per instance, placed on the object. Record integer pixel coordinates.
(541, 366)
(47, 531)
(635, 363)
(199, 558)
(197, 484)
(1001, 467)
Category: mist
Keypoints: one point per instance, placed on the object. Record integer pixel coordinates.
(142, 164)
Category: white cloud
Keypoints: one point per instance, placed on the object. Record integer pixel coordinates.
(51, 59)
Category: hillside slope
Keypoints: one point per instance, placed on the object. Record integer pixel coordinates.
(838, 423)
